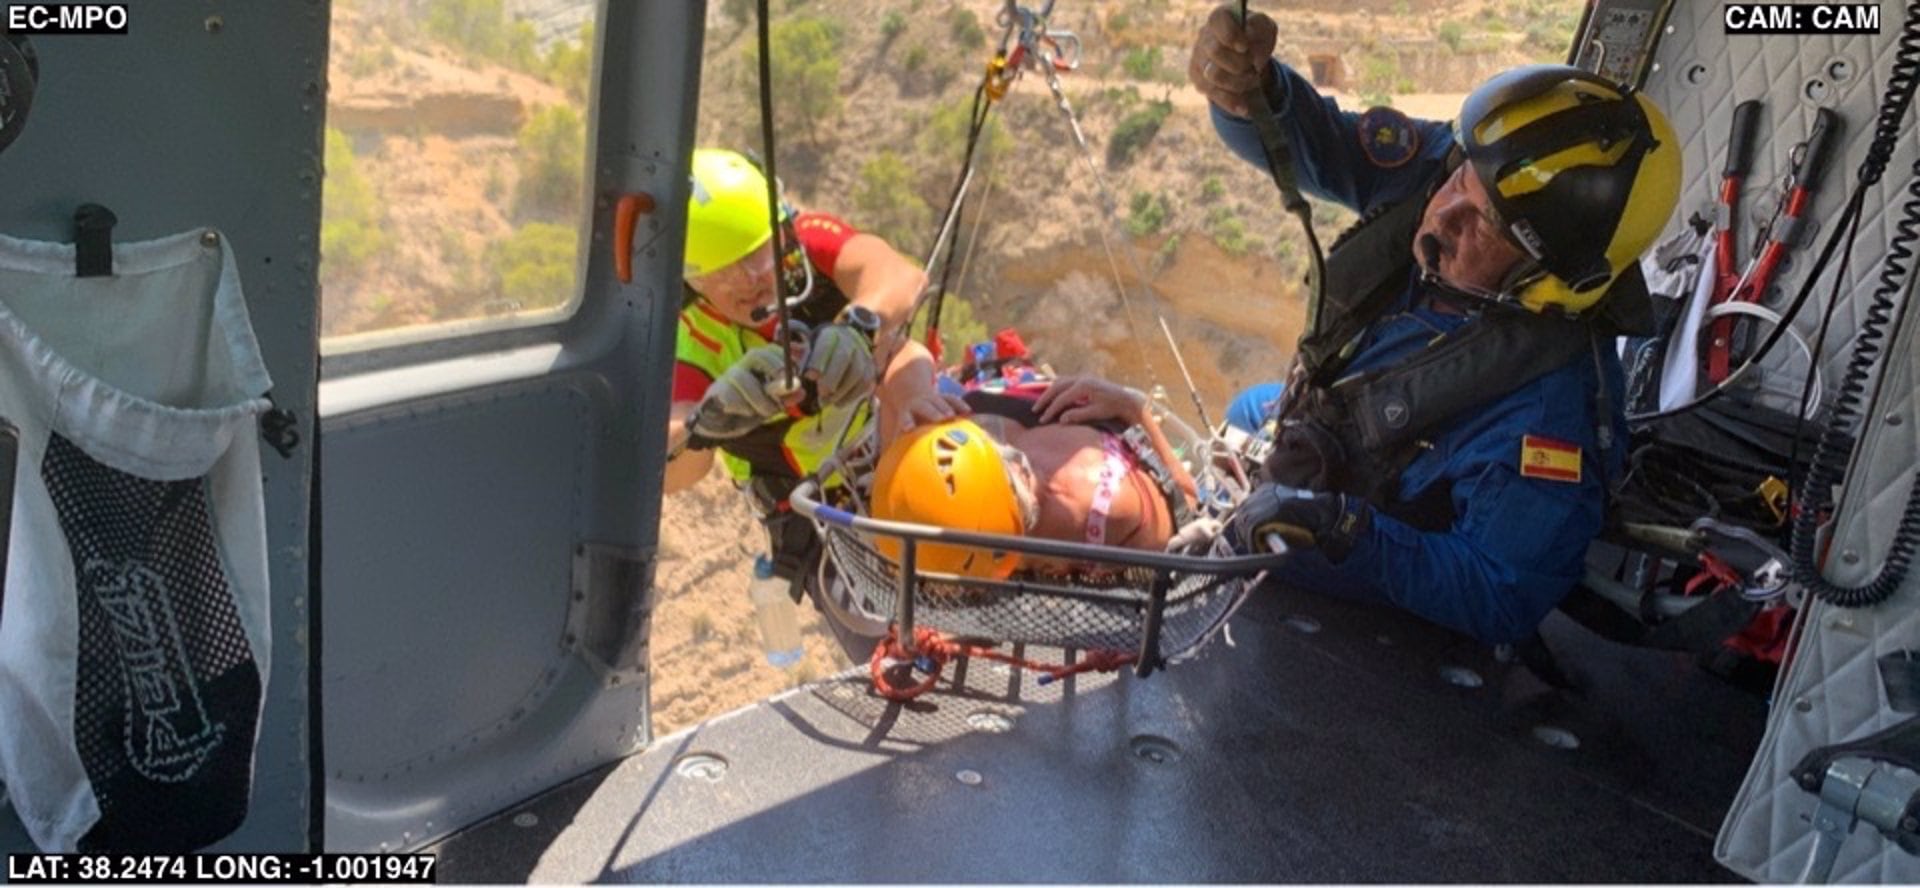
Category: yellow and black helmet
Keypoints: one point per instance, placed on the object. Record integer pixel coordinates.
(1582, 172)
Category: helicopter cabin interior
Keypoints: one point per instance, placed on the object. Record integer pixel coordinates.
(455, 588)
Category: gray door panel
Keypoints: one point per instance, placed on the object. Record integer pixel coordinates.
(492, 514)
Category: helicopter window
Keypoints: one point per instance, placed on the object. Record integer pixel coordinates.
(456, 146)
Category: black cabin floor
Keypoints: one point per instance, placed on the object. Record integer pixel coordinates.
(1327, 745)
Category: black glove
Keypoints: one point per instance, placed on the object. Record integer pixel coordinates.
(1329, 522)
(1305, 455)
(840, 358)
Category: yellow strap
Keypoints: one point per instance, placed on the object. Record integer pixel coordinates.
(1774, 492)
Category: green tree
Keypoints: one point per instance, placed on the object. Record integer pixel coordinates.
(482, 28)
(1147, 213)
(1135, 131)
(553, 149)
(534, 266)
(888, 205)
(1229, 231)
(892, 25)
(351, 234)
(1141, 63)
(570, 64)
(944, 138)
(806, 71)
(966, 30)
(959, 326)
(1451, 33)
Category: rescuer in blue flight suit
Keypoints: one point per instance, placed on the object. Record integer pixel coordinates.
(1447, 435)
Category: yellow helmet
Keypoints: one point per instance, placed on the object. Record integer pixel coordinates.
(727, 214)
(1583, 172)
(951, 474)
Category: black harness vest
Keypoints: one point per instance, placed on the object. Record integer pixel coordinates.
(1357, 433)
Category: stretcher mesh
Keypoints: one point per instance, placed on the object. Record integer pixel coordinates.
(1087, 607)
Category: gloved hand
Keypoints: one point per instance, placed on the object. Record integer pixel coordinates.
(738, 402)
(840, 361)
(1328, 521)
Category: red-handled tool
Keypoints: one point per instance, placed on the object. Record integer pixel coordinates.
(1746, 122)
(1783, 233)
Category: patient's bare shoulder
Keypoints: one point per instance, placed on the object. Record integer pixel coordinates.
(1139, 519)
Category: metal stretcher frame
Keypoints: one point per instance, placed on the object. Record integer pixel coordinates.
(1209, 587)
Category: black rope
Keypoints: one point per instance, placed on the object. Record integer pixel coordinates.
(1278, 153)
(976, 124)
(773, 194)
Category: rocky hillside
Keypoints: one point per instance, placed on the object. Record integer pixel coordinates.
(1197, 237)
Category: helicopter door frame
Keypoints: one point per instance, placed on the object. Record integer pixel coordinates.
(492, 516)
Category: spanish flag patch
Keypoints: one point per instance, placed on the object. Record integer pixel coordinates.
(1550, 459)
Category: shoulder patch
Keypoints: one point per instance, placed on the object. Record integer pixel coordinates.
(1550, 459)
(1387, 137)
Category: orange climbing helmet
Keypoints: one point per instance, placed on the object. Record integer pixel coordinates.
(954, 475)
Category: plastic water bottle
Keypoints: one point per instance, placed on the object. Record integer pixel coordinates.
(773, 609)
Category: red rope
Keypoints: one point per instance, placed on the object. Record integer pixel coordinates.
(938, 650)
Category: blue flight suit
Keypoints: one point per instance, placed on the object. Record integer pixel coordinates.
(1518, 541)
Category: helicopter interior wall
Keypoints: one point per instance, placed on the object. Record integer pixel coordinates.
(1831, 692)
(155, 125)
(1703, 73)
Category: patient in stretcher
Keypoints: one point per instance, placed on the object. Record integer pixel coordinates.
(1077, 459)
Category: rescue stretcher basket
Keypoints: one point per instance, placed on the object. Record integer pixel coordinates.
(1158, 605)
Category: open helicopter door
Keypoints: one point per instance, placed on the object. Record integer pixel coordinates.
(492, 494)
(187, 692)
(1844, 680)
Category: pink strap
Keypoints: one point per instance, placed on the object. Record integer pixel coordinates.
(1112, 469)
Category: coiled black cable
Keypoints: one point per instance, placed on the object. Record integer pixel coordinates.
(1834, 451)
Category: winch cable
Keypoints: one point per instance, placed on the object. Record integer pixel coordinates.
(1007, 65)
(973, 237)
(1112, 210)
(1180, 360)
(944, 242)
(1277, 149)
(792, 376)
(1838, 439)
